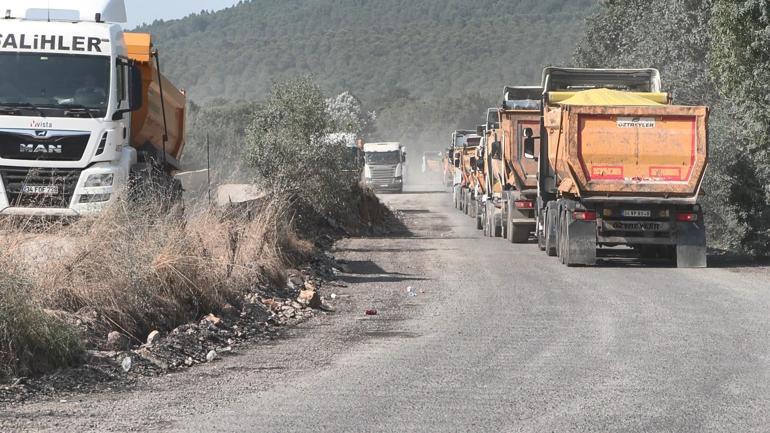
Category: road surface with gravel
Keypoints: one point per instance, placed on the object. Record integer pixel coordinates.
(495, 337)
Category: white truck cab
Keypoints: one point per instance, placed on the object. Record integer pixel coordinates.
(65, 104)
(385, 166)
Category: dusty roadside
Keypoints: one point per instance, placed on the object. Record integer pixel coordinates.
(275, 354)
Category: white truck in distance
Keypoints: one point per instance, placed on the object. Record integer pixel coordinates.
(385, 166)
(83, 108)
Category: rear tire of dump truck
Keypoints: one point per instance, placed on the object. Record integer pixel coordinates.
(691, 245)
(480, 223)
(495, 220)
(551, 228)
(540, 229)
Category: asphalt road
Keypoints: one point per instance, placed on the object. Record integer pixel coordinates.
(500, 338)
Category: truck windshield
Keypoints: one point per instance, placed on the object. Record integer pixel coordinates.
(383, 158)
(51, 82)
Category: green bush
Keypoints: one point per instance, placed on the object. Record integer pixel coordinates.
(709, 53)
(31, 340)
(292, 153)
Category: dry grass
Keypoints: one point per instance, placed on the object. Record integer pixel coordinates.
(31, 341)
(144, 268)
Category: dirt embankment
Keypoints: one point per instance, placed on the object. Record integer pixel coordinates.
(160, 293)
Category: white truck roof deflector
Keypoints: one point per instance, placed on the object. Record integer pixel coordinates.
(111, 11)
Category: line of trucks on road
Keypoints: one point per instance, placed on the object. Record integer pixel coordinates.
(590, 160)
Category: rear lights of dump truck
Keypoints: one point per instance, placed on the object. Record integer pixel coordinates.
(524, 204)
(584, 215)
(687, 217)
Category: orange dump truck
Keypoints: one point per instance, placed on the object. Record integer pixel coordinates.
(619, 165)
(469, 172)
(511, 178)
(455, 171)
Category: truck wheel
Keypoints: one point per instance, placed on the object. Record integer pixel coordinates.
(551, 229)
(540, 229)
(563, 239)
(480, 223)
(495, 221)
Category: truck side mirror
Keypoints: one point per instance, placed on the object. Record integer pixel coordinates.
(529, 144)
(457, 163)
(480, 130)
(529, 148)
(135, 91)
(497, 150)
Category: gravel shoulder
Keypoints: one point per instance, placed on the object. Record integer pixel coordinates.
(480, 347)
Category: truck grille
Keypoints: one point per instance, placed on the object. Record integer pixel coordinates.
(64, 179)
(382, 174)
(43, 145)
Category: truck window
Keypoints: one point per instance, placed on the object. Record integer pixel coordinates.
(383, 158)
(122, 71)
(53, 81)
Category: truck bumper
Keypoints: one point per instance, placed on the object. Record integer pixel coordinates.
(80, 201)
(394, 185)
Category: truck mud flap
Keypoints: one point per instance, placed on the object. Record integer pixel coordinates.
(691, 245)
(518, 225)
(578, 242)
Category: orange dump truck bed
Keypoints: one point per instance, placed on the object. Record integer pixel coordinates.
(147, 124)
(628, 147)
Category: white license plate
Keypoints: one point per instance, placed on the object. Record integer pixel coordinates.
(40, 189)
(637, 213)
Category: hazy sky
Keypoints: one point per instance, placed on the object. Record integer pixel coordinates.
(146, 11)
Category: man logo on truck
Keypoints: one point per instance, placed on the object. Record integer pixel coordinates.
(51, 43)
(40, 148)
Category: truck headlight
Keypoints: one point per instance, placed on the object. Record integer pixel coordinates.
(99, 180)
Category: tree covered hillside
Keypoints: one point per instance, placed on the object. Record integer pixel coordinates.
(378, 49)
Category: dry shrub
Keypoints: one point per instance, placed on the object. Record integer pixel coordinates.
(143, 267)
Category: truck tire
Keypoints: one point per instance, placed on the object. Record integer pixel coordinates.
(540, 229)
(480, 223)
(551, 229)
(495, 221)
